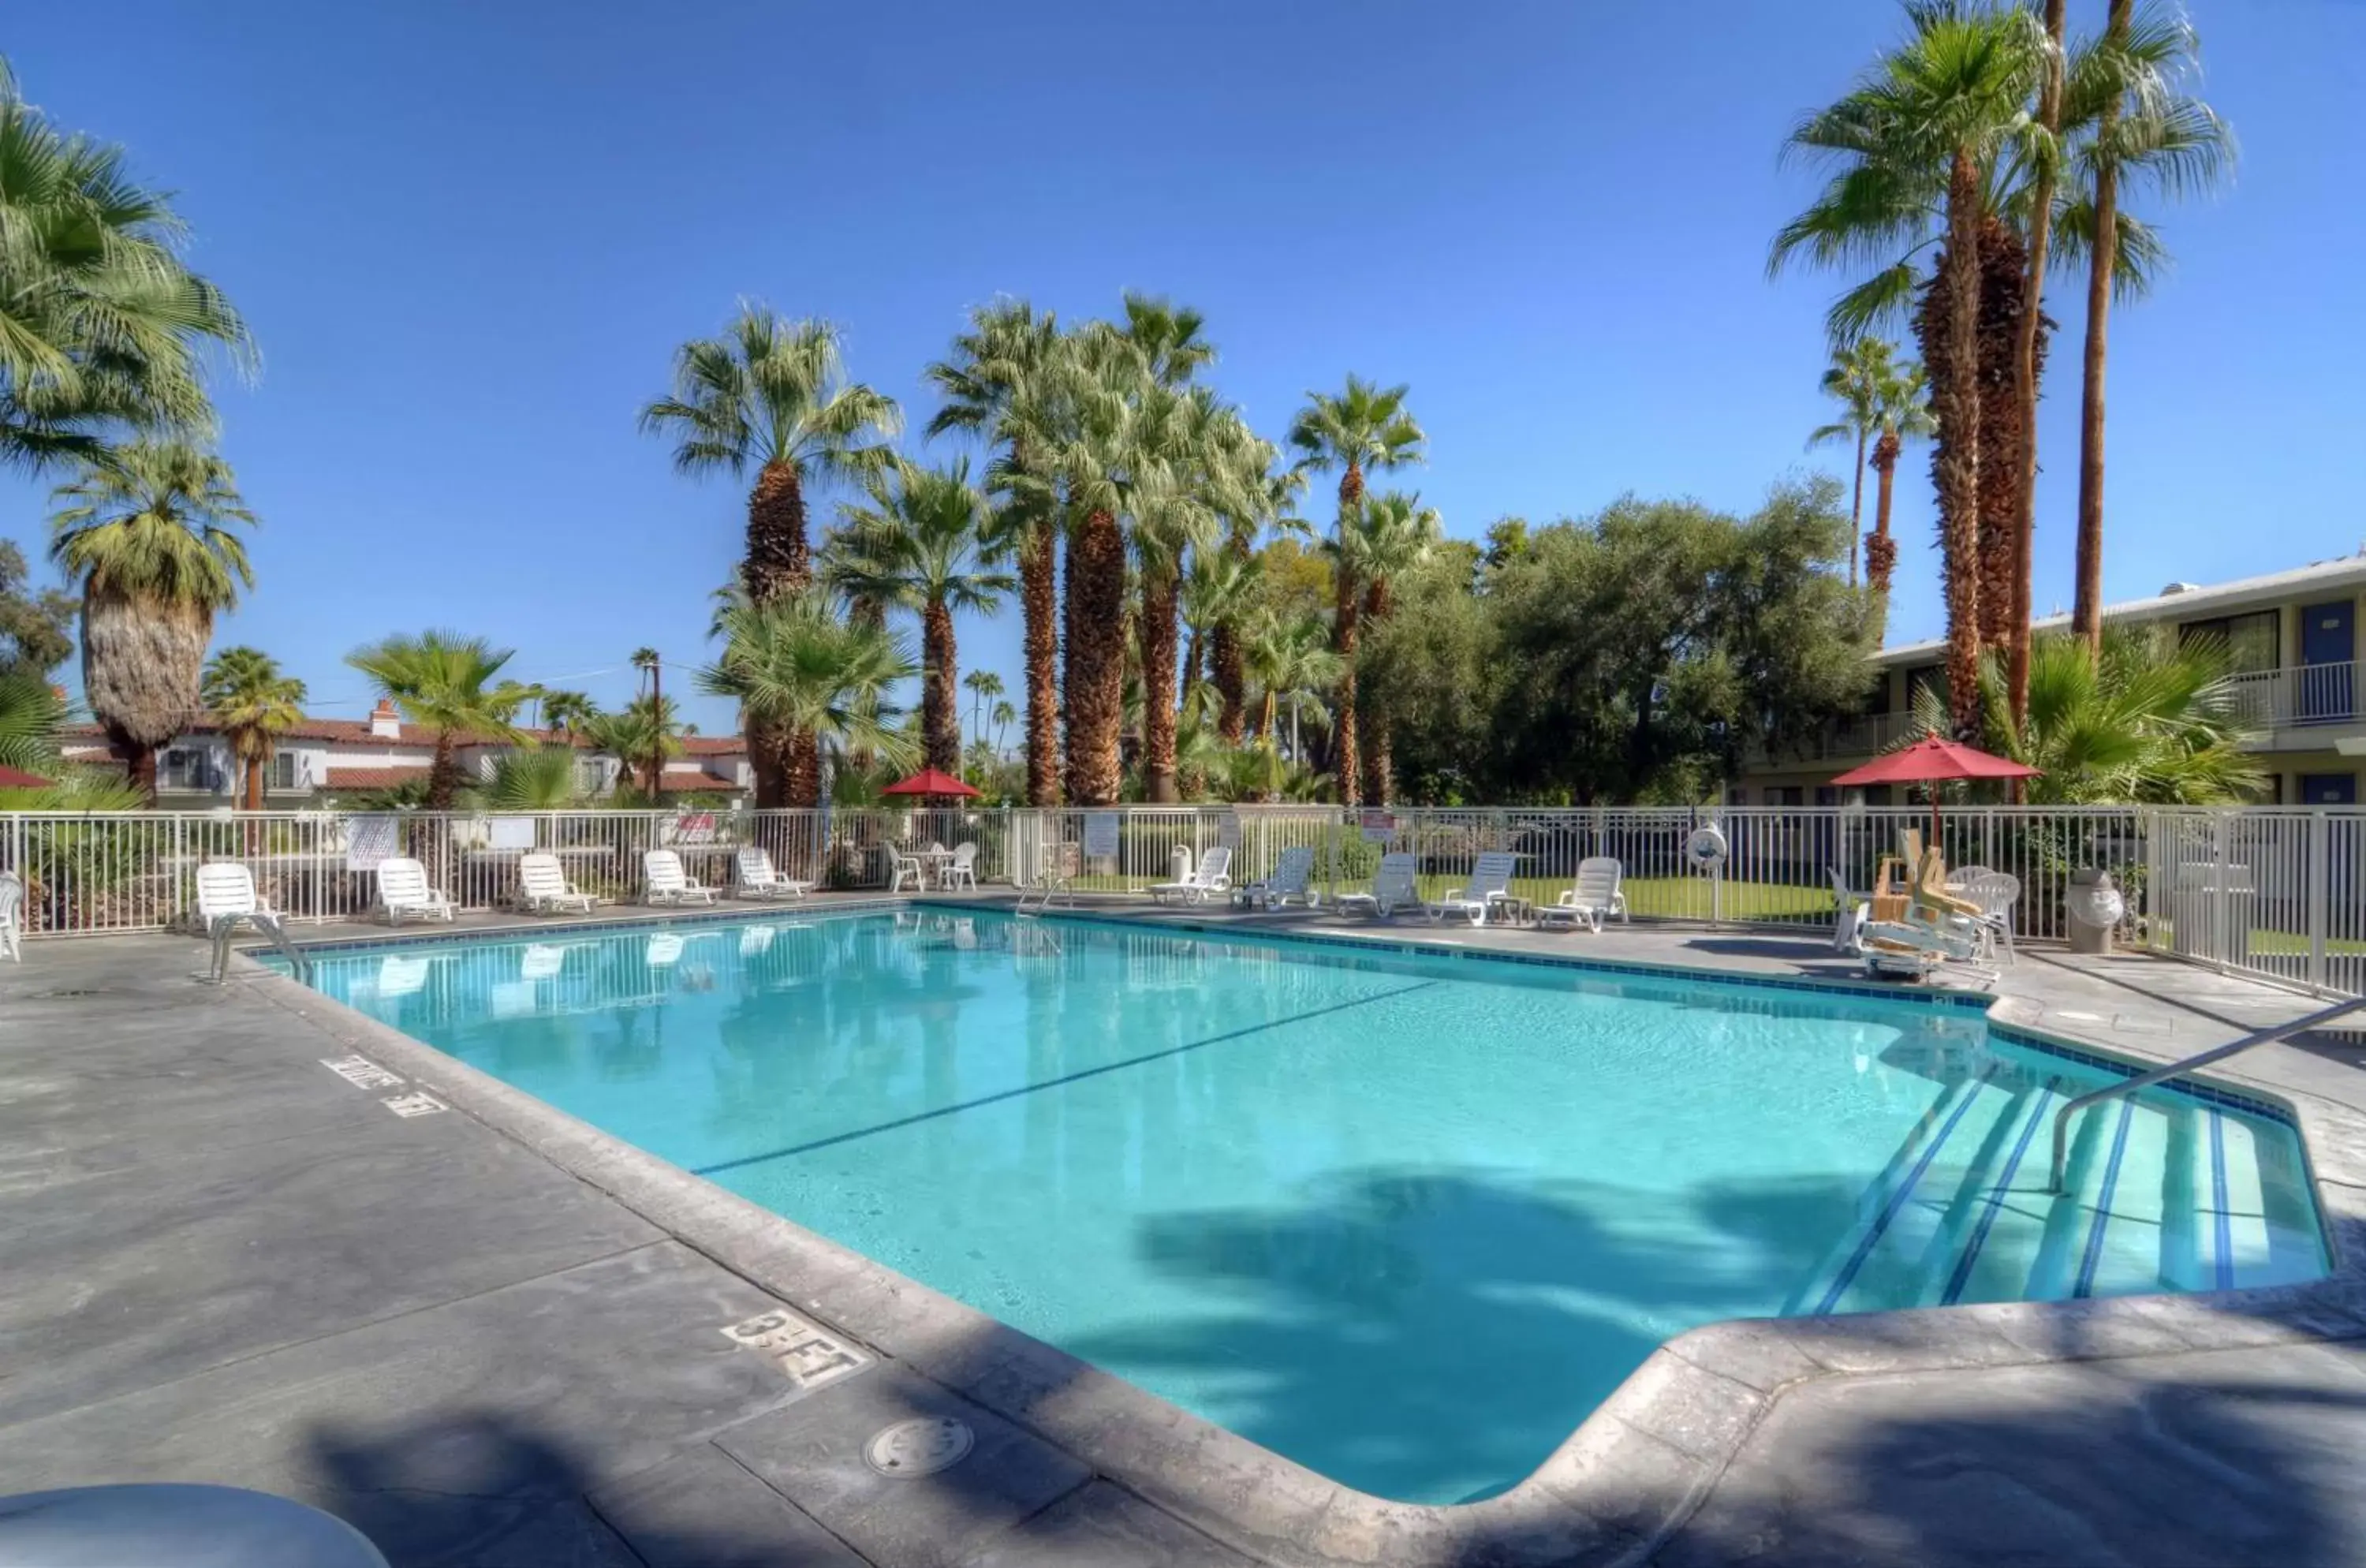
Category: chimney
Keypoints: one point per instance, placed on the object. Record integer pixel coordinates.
(385, 721)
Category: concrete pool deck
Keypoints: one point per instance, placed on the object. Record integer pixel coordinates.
(487, 1334)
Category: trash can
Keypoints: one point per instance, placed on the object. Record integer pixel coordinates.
(1179, 864)
(2095, 907)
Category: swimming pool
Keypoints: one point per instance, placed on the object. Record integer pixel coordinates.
(1404, 1218)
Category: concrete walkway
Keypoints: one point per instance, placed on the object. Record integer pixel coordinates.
(226, 1261)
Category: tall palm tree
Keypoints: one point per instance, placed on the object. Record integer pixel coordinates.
(1364, 428)
(1011, 359)
(1395, 534)
(1203, 467)
(1217, 594)
(771, 395)
(103, 326)
(2139, 129)
(643, 735)
(254, 705)
(1002, 716)
(1293, 666)
(1925, 148)
(921, 542)
(568, 711)
(146, 531)
(447, 684)
(1273, 505)
(2029, 348)
(1901, 414)
(984, 686)
(1856, 371)
(795, 662)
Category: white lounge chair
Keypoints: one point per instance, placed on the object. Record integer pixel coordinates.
(403, 889)
(12, 915)
(1288, 884)
(1489, 884)
(757, 879)
(1212, 876)
(227, 901)
(542, 887)
(1591, 899)
(961, 870)
(1939, 928)
(1393, 889)
(667, 883)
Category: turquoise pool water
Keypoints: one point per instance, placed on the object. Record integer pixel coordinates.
(1405, 1220)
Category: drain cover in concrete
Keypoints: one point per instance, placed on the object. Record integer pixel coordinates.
(919, 1448)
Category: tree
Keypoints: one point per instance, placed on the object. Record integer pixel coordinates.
(36, 628)
(2142, 131)
(772, 395)
(1924, 147)
(1002, 716)
(1217, 594)
(1290, 665)
(147, 533)
(1394, 533)
(1006, 376)
(1432, 672)
(922, 543)
(531, 778)
(103, 326)
(1364, 428)
(447, 684)
(984, 686)
(1275, 506)
(1901, 414)
(1853, 379)
(793, 662)
(2029, 349)
(568, 711)
(254, 705)
(644, 734)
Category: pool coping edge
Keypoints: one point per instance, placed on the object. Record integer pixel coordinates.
(1619, 1486)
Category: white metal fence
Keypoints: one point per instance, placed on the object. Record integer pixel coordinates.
(2278, 892)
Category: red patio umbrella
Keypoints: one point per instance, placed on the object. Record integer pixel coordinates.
(12, 778)
(1934, 760)
(929, 780)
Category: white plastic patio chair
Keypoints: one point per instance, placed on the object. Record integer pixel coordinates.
(1995, 892)
(1849, 914)
(1592, 898)
(1490, 884)
(901, 865)
(961, 870)
(1212, 876)
(1393, 889)
(1292, 871)
(757, 879)
(12, 915)
(542, 887)
(403, 889)
(664, 881)
(227, 901)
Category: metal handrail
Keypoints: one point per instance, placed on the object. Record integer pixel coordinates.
(2217, 1054)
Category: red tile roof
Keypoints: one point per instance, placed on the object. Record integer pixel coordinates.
(356, 731)
(372, 778)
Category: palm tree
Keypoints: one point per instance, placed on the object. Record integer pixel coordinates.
(984, 686)
(531, 778)
(447, 684)
(254, 705)
(1363, 428)
(568, 711)
(1002, 716)
(644, 734)
(1198, 458)
(2139, 129)
(922, 543)
(1924, 146)
(1217, 594)
(1273, 505)
(771, 395)
(794, 663)
(1901, 414)
(1293, 666)
(146, 531)
(102, 324)
(1011, 359)
(1852, 378)
(1395, 534)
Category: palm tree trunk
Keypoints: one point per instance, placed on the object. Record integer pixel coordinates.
(1160, 592)
(2004, 266)
(1039, 603)
(1379, 785)
(1956, 404)
(2087, 611)
(1880, 549)
(1231, 676)
(779, 561)
(1857, 506)
(443, 774)
(939, 714)
(2026, 369)
(254, 783)
(1096, 654)
(1344, 737)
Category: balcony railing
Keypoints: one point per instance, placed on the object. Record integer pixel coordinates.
(2299, 697)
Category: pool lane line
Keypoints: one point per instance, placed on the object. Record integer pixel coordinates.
(1994, 1202)
(2088, 1265)
(1890, 1210)
(1078, 1077)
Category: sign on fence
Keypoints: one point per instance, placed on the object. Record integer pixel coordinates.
(1101, 834)
(369, 839)
(1380, 827)
(512, 833)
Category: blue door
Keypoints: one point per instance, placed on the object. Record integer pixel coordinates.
(2328, 646)
(2328, 789)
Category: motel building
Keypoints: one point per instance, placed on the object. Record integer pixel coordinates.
(2293, 636)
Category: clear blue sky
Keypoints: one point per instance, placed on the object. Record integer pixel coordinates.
(468, 238)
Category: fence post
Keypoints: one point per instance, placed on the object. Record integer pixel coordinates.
(2320, 889)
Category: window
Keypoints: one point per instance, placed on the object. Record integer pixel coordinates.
(1879, 794)
(182, 767)
(2253, 642)
(1828, 794)
(286, 771)
(1786, 794)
